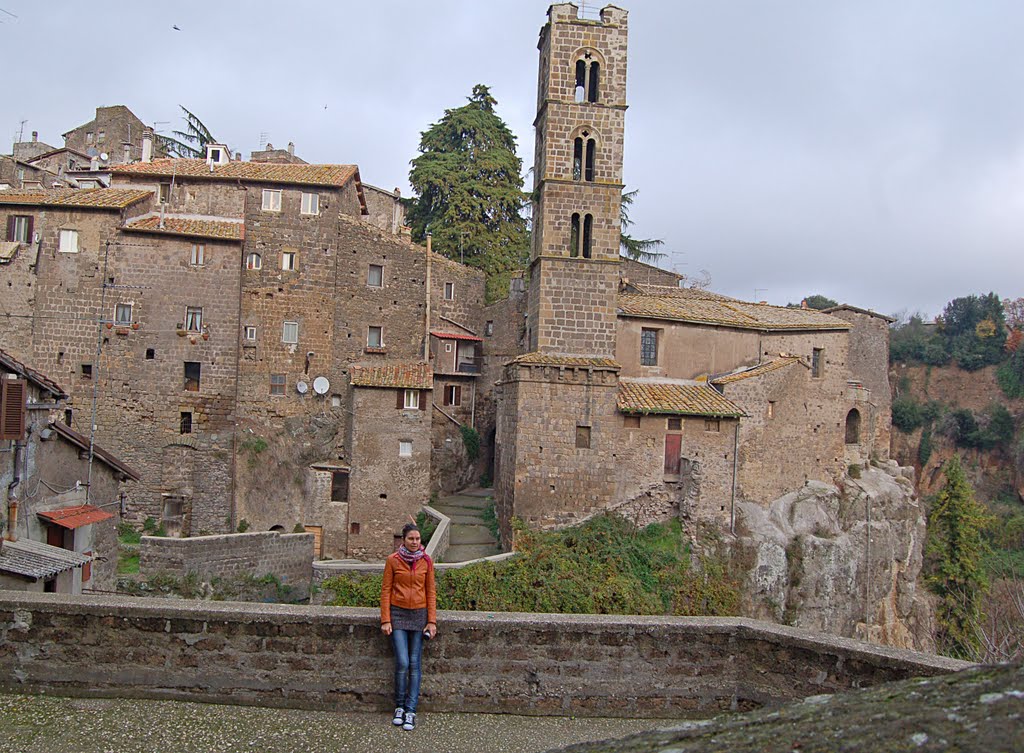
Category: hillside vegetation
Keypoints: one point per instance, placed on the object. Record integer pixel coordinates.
(604, 566)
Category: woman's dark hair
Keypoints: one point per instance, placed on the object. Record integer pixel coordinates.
(408, 527)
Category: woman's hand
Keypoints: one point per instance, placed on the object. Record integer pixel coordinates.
(431, 630)
(386, 628)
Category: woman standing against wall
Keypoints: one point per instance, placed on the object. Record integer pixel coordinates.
(408, 613)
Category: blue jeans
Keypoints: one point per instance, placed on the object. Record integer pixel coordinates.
(408, 646)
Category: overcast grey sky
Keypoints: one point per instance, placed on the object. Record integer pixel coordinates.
(868, 150)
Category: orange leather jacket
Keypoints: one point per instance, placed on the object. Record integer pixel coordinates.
(408, 588)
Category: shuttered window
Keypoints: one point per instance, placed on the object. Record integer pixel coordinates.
(12, 408)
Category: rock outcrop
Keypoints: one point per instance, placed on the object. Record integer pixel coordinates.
(844, 560)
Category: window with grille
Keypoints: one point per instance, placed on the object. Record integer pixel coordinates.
(649, 347)
(185, 425)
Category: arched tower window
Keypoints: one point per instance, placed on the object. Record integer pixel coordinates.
(853, 426)
(588, 76)
(583, 154)
(581, 234)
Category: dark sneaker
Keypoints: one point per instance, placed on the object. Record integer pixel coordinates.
(410, 721)
(399, 717)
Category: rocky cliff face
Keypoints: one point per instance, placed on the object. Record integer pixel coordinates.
(843, 560)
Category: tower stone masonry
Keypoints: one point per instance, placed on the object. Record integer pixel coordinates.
(581, 107)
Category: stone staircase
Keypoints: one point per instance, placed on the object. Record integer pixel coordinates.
(469, 538)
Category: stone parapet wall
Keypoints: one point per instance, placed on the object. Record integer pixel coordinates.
(319, 657)
(288, 556)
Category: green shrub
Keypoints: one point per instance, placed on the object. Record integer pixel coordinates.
(243, 525)
(924, 450)
(1010, 374)
(427, 526)
(906, 414)
(853, 471)
(126, 533)
(471, 440)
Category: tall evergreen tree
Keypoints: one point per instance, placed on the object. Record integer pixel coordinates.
(191, 142)
(638, 249)
(955, 541)
(469, 191)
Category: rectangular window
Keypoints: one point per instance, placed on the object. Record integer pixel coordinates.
(68, 242)
(649, 347)
(290, 333)
(288, 259)
(712, 424)
(164, 194)
(675, 424)
(771, 409)
(250, 333)
(375, 337)
(375, 277)
(198, 256)
(277, 384)
(310, 203)
(411, 400)
(405, 448)
(453, 394)
(583, 437)
(253, 261)
(19, 228)
(194, 318)
(449, 291)
(101, 136)
(123, 314)
(817, 363)
(193, 371)
(489, 329)
(271, 200)
(88, 137)
(186, 422)
(86, 371)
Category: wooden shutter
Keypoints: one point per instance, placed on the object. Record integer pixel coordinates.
(447, 394)
(12, 408)
(10, 228)
(673, 447)
(31, 227)
(458, 396)
(423, 399)
(401, 400)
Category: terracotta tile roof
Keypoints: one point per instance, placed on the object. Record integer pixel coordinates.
(545, 359)
(756, 371)
(408, 376)
(456, 336)
(674, 398)
(75, 517)
(92, 198)
(11, 363)
(855, 309)
(217, 228)
(262, 172)
(38, 561)
(677, 292)
(107, 458)
(726, 312)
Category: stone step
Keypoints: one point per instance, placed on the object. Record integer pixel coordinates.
(470, 534)
(464, 552)
(462, 517)
(470, 503)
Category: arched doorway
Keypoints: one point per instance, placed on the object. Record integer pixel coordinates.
(853, 426)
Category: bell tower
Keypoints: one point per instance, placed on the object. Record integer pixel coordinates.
(581, 107)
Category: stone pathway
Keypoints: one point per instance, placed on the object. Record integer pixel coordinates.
(469, 538)
(51, 724)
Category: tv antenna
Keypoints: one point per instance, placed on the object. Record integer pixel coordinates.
(21, 130)
(264, 138)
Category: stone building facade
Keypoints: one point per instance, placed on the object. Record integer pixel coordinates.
(115, 131)
(628, 392)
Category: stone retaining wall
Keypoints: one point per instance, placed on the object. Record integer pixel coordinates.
(319, 657)
(287, 556)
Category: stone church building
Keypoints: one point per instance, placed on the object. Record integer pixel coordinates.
(267, 348)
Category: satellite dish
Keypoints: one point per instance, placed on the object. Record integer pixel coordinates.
(302, 388)
(321, 385)
(104, 156)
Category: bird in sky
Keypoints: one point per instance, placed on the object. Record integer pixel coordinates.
(175, 27)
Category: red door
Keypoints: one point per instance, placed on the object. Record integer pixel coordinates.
(673, 448)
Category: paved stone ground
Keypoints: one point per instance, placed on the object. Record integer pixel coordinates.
(50, 724)
(470, 537)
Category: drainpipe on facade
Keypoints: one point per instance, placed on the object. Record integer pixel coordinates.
(96, 372)
(11, 534)
(426, 322)
(735, 465)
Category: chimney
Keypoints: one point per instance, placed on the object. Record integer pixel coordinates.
(94, 163)
(35, 136)
(147, 146)
(238, 156)
(803, 304)
(291, 148)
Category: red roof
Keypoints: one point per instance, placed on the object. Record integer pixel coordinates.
(75, 517)
(456, 336)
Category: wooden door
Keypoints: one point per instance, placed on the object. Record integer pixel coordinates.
(673, 449)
